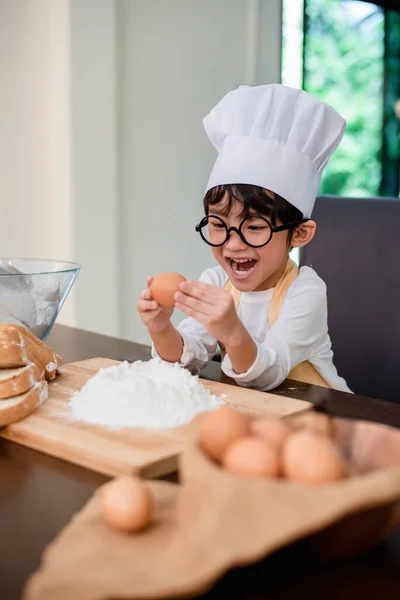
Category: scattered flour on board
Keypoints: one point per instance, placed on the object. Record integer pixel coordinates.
(150, 394)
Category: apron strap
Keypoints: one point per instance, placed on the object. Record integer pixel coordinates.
(280, 290)
(233, 292)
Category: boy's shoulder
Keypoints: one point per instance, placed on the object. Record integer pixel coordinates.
(214, 276)
(309, 280)
(307, 293)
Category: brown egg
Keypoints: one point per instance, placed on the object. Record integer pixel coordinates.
(126, 504)
(313, 421)
(252, 457)
(272, 431)
(309, 457)
(164, 286)
(219, 429)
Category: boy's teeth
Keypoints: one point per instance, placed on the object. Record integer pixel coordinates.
(243, 266)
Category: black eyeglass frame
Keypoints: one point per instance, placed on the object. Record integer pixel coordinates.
(272, 230)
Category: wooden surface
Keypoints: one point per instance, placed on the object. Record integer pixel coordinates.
(150, 453)
(39, 494)
(76, 344)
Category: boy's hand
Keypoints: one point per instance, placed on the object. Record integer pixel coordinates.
(213, 307)
(155, 317)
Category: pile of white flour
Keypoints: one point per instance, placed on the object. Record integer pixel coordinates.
(150, 394)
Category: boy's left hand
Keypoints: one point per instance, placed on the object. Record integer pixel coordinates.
(213, 307)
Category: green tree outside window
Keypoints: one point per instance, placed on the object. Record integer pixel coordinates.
(351, 58)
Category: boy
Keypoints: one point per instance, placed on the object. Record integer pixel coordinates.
(269, 318)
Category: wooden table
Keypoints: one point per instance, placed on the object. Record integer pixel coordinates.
(39, 495)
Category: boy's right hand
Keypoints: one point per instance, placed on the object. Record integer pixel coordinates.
(155, 317)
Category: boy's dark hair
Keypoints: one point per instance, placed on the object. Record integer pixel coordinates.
(254, 199)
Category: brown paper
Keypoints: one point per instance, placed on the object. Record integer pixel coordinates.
(215, 521)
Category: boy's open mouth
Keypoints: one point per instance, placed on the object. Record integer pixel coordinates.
(242, 267)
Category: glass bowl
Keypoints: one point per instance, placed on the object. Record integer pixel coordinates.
(32, 291)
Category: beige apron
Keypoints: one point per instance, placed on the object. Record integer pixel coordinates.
(304, 371)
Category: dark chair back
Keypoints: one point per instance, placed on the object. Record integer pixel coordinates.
(356, 251)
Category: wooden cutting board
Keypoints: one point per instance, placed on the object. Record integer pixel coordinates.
(150, 453)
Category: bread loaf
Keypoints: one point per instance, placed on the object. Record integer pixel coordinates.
(19, 347)
(21, 406)
(16, 381)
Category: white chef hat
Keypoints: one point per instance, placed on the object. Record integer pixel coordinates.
(276, 137)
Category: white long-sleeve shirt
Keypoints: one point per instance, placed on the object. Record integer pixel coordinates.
(299, 334)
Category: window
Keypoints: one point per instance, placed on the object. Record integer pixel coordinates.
(347, 52)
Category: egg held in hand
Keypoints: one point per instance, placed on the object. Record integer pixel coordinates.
(164, 287)
(126, 504)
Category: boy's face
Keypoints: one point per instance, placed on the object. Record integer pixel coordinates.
(250, 269)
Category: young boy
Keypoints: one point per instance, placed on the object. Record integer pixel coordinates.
(269, 318)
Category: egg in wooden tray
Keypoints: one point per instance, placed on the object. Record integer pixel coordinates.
(270, 447)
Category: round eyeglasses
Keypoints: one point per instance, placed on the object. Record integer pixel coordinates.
(254, 231)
